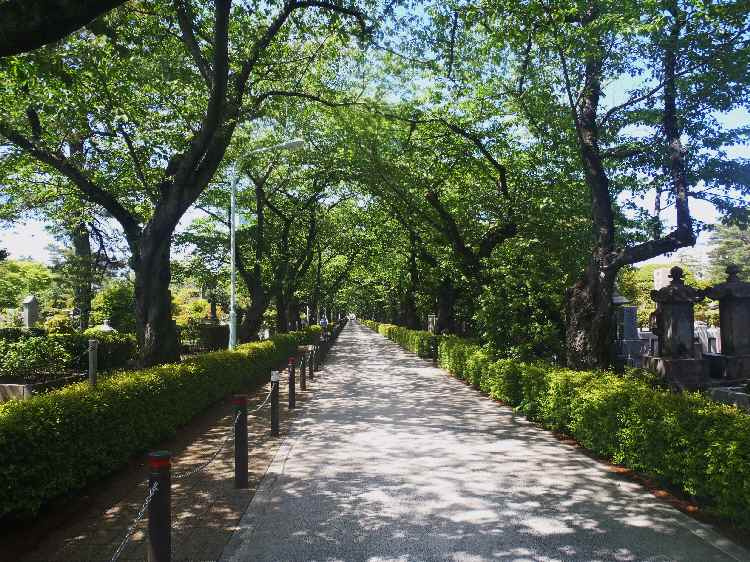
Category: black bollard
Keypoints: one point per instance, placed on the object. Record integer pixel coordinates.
(275, 403)
(292, 384)
(240, 441)
(311, 361)
(160, 508)
(302, 373)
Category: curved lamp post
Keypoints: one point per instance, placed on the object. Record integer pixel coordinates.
(295, 144)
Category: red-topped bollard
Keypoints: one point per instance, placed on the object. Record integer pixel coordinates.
(160, 508)
(240, 440)
(292, 391)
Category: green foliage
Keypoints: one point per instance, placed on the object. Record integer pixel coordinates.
(56, 443)
(21, 278)
(115, 304)
(37, 357)
(59, 323)
(685, 439)
(49, 355)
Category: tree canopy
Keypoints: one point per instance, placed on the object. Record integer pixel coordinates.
(498, 164)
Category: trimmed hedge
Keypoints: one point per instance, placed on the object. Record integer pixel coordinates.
(684, 439)
(58, 442)
(416, 341)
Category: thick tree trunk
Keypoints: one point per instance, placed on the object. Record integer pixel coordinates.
(253, 317)
(446, 320)
(282, 311)
(157, 332)
(589, 310)
(83, 273)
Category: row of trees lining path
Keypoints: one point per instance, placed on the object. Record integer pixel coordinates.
(484, 162)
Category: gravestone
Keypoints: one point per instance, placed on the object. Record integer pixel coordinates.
(629, 343)
(30, 311)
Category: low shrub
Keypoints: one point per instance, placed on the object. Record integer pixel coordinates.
(13, 334)
(683, 439)
(38, 357)
(57, 442)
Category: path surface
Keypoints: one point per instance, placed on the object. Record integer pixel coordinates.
(395, 460)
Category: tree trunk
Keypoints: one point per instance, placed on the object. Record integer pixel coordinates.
(282, 320)
(589, 310)
(157, 332)
(410, 314)
(446, 320)
(83, 273)
(253, 317)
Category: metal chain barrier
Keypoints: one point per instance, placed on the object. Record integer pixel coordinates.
(265, 401)
(180, 475)
(137, 519)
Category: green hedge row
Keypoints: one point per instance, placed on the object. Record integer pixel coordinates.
(685, 439)
(416, 341)
(59, 442)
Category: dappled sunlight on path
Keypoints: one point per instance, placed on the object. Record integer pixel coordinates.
(394, 460)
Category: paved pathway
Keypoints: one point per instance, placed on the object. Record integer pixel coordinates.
(395, 460)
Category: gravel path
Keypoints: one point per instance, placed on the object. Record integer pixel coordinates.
(394, 460)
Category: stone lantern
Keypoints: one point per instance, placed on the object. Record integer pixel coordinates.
(674, 317)
(673, 323)
(734, 317)
(734, 312)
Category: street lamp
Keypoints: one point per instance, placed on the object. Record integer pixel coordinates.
(294, 144)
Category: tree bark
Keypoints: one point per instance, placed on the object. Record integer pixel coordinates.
(84, 276)
(410, 315)
(157, 332)
(446, 320)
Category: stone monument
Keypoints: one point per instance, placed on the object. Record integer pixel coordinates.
(30, 311)
(734, 314)
(673, 323)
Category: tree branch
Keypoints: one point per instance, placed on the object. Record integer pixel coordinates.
(185, 19)
(91, 191)
(29, 24)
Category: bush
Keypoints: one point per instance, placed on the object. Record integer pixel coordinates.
(684, 439)
(38, 357)
(13, 334)
(115, 304)
(57, 442)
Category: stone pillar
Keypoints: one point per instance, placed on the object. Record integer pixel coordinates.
(30, 311)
